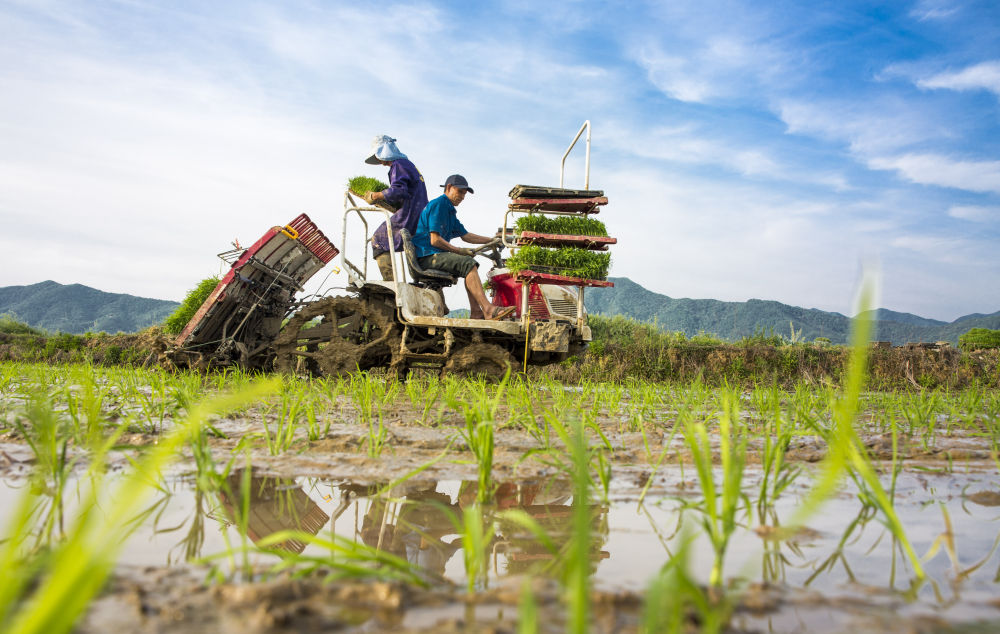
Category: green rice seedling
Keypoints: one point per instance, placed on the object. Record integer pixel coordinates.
(289, 410)
(361, 185)
(846, 453)
(314, 429)
(480, 420)
(371, 398)
(719, 505)
(154, 401)
(563, 261)
(673, 593)
(476, 537)
(345, 559)
(527, 610)
(920, 412)
(776, 433)
(176, 322)
(85, 405)
(577, 576)
(562, 225)
(50, 595)
(44, 431)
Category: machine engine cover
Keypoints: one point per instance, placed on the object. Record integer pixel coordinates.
(550, 336)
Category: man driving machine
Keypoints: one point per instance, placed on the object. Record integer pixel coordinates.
(437, 226)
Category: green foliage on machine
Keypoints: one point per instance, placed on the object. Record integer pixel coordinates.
(175, 323)
(564, 261)
(361, 185)
(562, 225)
(980, 339)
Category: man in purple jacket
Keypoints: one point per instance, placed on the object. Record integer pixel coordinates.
(406, 192)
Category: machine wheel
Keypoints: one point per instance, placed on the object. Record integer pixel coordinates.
(349, 334)
(481, 359)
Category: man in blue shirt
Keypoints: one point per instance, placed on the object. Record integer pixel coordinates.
(406, 192)
(438, 225)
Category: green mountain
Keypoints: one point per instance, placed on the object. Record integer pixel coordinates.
(735, 320)
(76, 309)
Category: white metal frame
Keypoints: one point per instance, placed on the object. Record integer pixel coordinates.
(562, 164)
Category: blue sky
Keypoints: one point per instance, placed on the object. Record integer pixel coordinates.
(749, 150)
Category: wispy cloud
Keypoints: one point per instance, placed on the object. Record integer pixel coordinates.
(982, 76)
(934, 169)
(934, 9)
(975, 213)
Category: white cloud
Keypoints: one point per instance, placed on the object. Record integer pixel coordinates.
(934, 169)
(982, 76)
(884, 125)
(709, 66)
(933, 10)
(975, 213)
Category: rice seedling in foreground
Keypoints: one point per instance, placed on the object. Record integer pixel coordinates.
(50, 597)
(846, 453)
(719, 506)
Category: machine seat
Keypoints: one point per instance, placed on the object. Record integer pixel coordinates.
(428, 278)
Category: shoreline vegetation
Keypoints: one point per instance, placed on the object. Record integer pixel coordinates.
(622, 349)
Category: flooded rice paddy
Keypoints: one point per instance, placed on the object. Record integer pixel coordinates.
(456, 505)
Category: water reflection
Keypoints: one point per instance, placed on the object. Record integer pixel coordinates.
(848, 553)
(423, 525)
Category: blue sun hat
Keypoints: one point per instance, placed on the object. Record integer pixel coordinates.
(384, 149)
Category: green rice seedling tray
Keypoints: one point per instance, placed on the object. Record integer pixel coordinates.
(590, 243)
(561, 225)
(361, 185)
(539, 277)
(564, 261)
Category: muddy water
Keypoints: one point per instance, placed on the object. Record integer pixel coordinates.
(843, 571)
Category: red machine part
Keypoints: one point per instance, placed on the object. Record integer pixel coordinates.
(301, 228)
(507, 292)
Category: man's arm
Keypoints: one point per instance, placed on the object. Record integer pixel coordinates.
(475, 238)
(440, 243)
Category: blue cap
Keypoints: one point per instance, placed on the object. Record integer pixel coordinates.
(458, 181)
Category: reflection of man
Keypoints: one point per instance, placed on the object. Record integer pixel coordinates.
(421, 522)
(438, 225)
(406, 192)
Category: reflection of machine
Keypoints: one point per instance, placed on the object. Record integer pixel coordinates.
(399, 324)
(275, 504)
(422, 526)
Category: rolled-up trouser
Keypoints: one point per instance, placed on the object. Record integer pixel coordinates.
(384, 261)
(454, 263)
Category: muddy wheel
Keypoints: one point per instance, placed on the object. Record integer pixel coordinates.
(334, 336)
(481, 359)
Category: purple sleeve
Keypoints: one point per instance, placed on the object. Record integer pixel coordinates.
(401, 184)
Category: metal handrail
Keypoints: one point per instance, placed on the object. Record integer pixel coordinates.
(562, 165)
(398, 270)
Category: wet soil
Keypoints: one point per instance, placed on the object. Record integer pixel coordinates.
(954, 471)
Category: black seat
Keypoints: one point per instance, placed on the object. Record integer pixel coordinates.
(428, 278)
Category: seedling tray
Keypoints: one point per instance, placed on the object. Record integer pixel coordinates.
(378, 203)
(534, 191)
(540, 277)
(592, 243)
(563, 205)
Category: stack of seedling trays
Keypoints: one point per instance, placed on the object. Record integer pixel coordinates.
(557, 241)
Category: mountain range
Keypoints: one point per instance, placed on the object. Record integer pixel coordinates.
(735, 320)
(75, 308)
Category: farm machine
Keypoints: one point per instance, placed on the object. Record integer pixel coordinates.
(253, 319)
